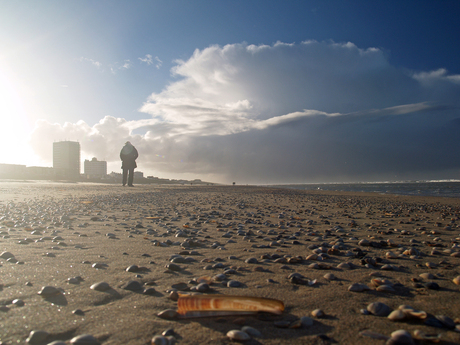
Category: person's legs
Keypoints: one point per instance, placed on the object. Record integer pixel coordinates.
(125, 175)
(131, 177)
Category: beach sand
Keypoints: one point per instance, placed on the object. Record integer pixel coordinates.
(71, 236)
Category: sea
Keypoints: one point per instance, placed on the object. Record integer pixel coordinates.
(443, 188)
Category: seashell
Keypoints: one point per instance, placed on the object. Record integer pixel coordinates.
(446, 321)
(85, 339)
(418, 334)
(318, 313)
(238, 335)
(344, 266)
(430, 265)
(48, 291)
(37, 337)
(168, 314)
(252, 332)
(379, 309)
(427, 276)
(385, 288)
(397, 315)
(208, 305)
(456, 280)
(357, 287)
(160, 340)
(306, 321)
(330, 276)
(311, 257)
(400, 337)
(415, 314)
(102, 286)
(380, 281)
(391, 255)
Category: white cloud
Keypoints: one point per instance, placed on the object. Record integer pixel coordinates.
(149, 60)
(93, 62)
(313, 111)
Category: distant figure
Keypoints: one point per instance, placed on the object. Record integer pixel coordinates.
(128, 156)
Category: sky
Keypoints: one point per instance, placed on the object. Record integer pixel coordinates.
(251, 92)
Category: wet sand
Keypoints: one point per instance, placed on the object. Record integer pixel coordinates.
(94, 232)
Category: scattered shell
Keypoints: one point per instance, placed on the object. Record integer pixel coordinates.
(252, 332)
(238, 335)
(160, 340)
(48, 291)
(318, 313)
(357, 287)
(168, 314)
(397, 315)
(400, 337)
(37, 337)
(329, 276)
(379, 309)
(456, 280)
(433, 337)
(427, 276)
(207, 305)
(306, 321)
(102, 286)
(85, 339)
(446, 321)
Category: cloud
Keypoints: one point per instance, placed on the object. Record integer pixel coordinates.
(308, 112)
(93, 62)
(149, 60)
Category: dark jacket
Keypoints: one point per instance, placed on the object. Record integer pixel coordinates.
(128, 156)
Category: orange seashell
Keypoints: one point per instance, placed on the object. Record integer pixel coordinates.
(211, 305)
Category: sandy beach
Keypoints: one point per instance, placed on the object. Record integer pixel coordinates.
(326, 255)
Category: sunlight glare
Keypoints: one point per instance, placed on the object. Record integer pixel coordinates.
(14, 127)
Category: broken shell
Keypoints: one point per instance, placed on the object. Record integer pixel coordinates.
(427, 276)
(238, 335)
(318, 313)
(379, 309)
(385, 288)
(397, 315)
(48, 291)
(160, 340)
(252, 332)
(456, 280)
(330, 276)
(379, 281)
(206, 305)
(400, 337)
(358, 287)
(418, 334)
(167, 314)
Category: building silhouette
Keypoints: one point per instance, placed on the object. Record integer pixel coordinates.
(94, 168)
(66, 159)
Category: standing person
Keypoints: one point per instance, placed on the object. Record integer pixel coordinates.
(128, 156)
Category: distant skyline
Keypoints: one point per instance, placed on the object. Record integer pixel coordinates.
(246, 91)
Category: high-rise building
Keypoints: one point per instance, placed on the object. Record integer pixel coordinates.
(66, 159)
(95, 168)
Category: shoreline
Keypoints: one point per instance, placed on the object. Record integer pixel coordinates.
(263, 234)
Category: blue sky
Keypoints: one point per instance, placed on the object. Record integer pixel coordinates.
(246, 91)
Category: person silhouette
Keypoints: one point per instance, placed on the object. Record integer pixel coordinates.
(128, 156)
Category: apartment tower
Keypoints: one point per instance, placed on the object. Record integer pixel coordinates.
(66, 159)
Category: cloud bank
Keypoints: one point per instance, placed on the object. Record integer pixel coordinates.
(285, 113)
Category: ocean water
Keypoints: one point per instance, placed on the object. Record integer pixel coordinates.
(450, 188)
